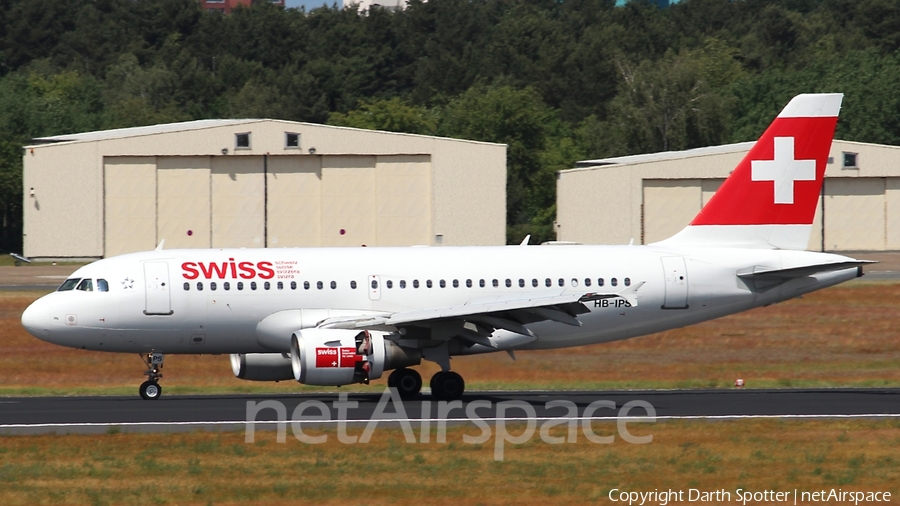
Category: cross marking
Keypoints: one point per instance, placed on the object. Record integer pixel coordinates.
(783, 170)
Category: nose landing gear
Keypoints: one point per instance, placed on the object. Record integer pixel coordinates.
(150, 389)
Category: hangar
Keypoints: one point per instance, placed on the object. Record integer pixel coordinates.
(647, 198)
(257, 183)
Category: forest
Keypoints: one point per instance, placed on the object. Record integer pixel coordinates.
(556, 80)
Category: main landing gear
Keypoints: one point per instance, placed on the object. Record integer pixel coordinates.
(150, 389)
(445, 385)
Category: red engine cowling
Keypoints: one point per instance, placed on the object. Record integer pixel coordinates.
(340, 357)
(336, 357)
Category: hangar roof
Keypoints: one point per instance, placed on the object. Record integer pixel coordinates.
(667, 155)
(121, 133)
(692, 153)
(186, 126)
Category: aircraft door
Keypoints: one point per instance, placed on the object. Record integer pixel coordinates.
(675, 273)
(375, 287)
(156, 285)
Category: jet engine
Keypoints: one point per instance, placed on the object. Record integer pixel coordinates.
(340, 357)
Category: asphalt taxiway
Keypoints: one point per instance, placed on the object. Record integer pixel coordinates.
(230, 412)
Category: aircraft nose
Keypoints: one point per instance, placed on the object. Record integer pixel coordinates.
(36, 319)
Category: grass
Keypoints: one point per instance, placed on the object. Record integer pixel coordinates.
(842, 336)
(220, 468)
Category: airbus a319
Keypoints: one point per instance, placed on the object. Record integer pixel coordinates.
(337, 316)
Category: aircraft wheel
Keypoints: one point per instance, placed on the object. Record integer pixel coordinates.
(447, 386)
(408, 382)
(150, 390)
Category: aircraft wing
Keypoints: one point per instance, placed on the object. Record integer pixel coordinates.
(487, 314)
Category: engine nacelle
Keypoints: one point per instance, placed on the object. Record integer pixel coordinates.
(262, 366)
(336, 357)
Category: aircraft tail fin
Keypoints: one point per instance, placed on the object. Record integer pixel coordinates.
(769, 200)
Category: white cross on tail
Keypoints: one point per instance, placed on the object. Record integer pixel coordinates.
(783, 170)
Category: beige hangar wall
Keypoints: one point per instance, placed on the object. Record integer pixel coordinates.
(110, 192)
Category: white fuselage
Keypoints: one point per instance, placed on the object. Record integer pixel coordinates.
(164, 301)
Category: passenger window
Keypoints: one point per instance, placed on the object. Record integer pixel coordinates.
(627, 281)
(306, 285)
(199, 286)
(548, 282)
(562, 282)
(534, 283)
(319, 285)
(428, 283)
(187, 286)
(86, 285)
(521, 283)
(496, 283)
(455, 283)
(226, 285)
(574, 282)
(402, 283)
(508, 282)
(390, 284)
(293, 285)
(415, 283)
(68, 284)
(613, 281)
(481, 283)
(240, 285)
(334, 285)
(353, 285)
(587, 281)
(212, 286)
(280, 285)
(443, 284)
(267, 285)
(253, 285)
(468, 283)
(599, 281)
(102, 285)
(374, 284)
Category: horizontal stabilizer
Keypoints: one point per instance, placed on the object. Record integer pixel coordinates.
(799, 272)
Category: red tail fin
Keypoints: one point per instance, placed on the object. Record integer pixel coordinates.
(769, 201)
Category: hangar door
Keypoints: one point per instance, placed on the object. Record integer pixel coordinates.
(238, 201)
(129, 204)
(350, 201)
(862, 214)
(670, 204)
(183, 201)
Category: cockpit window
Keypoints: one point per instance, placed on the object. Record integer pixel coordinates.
(102, 285)
(68, 284)
(86, 285)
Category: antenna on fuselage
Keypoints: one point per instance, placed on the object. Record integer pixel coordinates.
(525, 240)
(161, 243)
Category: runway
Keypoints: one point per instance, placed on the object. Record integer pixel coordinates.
(29, 415)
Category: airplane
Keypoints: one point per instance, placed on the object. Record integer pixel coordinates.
(339, 316)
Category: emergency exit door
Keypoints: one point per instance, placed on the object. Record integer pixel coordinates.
(676, 281)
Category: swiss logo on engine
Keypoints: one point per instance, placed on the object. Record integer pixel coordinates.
(336, 357)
